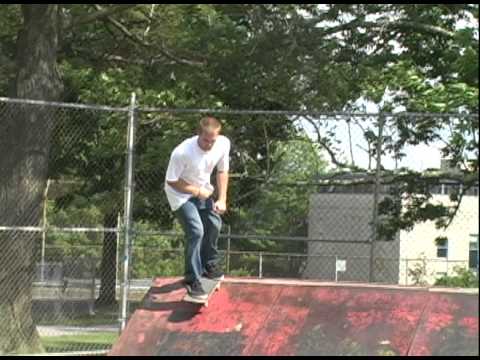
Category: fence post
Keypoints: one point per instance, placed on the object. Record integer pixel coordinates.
(381, 123)
(117, 255)
(260, 266)
(336, 269)
(478, 249)
(406, 272)
(128, 210)
(228, 249)
(44, 227)
(93, 272)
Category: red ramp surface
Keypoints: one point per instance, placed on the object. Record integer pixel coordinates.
(302, 318)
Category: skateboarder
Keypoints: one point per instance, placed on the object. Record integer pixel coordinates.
(189, 193)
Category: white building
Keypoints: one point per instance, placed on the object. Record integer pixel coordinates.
(459, 247)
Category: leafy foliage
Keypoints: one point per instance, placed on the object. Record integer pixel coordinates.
(463, 278)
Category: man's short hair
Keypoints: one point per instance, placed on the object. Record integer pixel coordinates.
(209, 124)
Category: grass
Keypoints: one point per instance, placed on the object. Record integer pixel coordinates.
(79, 342)
(82, 321)
(103, 316)
(85, 342)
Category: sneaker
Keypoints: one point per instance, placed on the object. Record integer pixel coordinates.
(195, 290)
(213, 272)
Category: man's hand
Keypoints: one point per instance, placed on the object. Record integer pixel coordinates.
(204, 194)
(220, 207)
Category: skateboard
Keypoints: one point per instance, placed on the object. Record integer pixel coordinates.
(210, 286)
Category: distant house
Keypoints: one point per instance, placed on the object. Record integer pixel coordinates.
(458, 248)
(340, 222)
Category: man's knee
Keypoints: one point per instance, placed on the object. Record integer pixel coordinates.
(196, 233)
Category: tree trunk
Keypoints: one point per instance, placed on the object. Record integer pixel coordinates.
(24, 148)
(108, 267)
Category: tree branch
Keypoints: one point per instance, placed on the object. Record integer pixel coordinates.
(150, 17)
(101, 14)
(135, 38)
(356, 23)
(350, 142)
(141, 62)
(369, 151)
(424, 27)
(179, 60)
(325, 146)
(453, 214)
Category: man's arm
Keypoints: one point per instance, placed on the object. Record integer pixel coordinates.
(222, 184)
(182, 186)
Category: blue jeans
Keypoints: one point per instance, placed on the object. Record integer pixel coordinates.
(201, 226)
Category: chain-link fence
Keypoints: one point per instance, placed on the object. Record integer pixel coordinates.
(61, 197)
(85, 224)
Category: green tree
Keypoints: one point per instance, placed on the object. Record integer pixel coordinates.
(279, 205)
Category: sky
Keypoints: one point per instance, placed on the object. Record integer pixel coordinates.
(419, 157)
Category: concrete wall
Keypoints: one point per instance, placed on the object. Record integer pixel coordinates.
(347, 217)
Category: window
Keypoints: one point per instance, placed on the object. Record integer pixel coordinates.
(442, 248)
(473, 255)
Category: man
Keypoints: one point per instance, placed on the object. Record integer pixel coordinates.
(189, 193)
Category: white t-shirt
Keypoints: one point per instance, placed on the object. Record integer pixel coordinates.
(190, 163)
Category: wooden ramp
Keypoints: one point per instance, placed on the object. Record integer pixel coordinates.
(280, 317)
